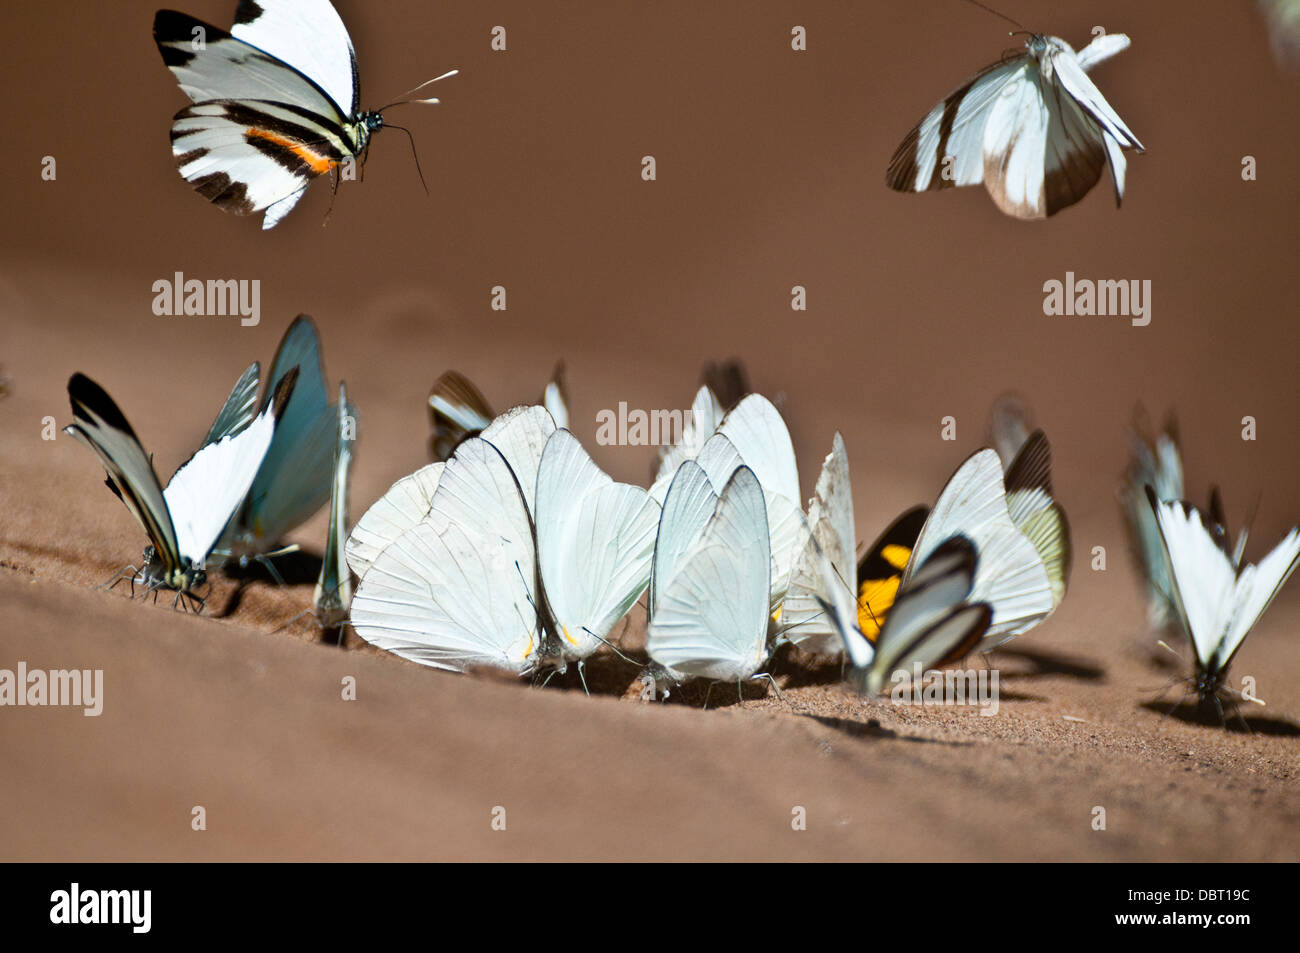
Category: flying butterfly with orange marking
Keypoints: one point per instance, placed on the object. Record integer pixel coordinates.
(276, 103)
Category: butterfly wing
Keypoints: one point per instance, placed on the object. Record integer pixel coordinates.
(457, 410)
(954, 128)
(101, 426)
(687, 509)
(833, 539)
(334, 585)
(205, 492)
(310, 36)
(1256, 587)
(521, 435)
(595, 539)
(711, 617)
(706, 414)
(240, 407)
(881, 569)
(404, 504)
(457, 588)
(1036, 513)
(555, 397)
(1011, 577)
(933, 623)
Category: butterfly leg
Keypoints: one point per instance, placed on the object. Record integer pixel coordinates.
(775, 687)
(582, 675)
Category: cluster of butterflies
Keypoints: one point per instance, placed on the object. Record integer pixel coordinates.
(514, 550)
(1196, 576)
(276, 103)
(518, 552)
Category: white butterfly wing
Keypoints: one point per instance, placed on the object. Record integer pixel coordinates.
(1011, 576)
(204, 494)
(520, 434)
(1101, 49)
(404, 504)
(711, 619)
(308, 35)
(954, 128)
(833, 540)
(1256, 588)
(211, 64)
(706, 414)
(687, 509)
(457, 589)
(595, 538)
(1204, 580)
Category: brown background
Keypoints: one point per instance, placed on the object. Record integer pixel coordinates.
(770, 174)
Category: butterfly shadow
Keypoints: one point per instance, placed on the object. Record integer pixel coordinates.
(1041, 664)
(1190, 712)
(298, 568)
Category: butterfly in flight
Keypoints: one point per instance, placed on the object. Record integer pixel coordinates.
(276, 103)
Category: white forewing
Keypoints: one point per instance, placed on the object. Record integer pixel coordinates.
(458, 588)
(334, 585)
(404, 504)
(205, 492)
(711, 618)
(226, 67)
(687, 509)
(706, 413)
(832, 541)
(1256, 588)
(520, 434)
(1101, 49)
(309, 36)
(595, 538)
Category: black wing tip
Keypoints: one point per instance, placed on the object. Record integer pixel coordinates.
(283, 391)
(1032, 467)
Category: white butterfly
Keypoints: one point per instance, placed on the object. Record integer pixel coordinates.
(1217, 597)
(1011, 576)
(833, 542)
(710, 599)
(1154, 462)
(473, 582)
(184, 521)
(753, 434)
(1033, 128)
(276, 102)
(296, 477)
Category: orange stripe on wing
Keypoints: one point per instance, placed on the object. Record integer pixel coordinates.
(317, 163)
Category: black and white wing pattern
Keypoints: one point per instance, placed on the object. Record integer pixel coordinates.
(275, 104)
(1033, 129)
(1218, 599)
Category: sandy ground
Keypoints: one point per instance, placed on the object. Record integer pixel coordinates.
(770, 175)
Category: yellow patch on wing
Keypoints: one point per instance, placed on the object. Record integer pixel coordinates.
(896, 555)
(319, 164)
(571, 639)
(875, 599)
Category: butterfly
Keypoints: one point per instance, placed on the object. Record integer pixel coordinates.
(296, 477)
(458, 410)
(831, 537)
(333, 593)
(1155, 462)
(932, 623)
(276, 103)
(1033, 128)
(1216, 595)
(527, 555)
(754, 435)
(880, 571)
(185, 520)
(710, 584)
(1027, 464)
(1012, 577)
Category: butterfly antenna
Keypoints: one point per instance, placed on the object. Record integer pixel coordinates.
(403, 101)
(610, 645)
(1172, 651)
(414, 153)
(996, 13)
